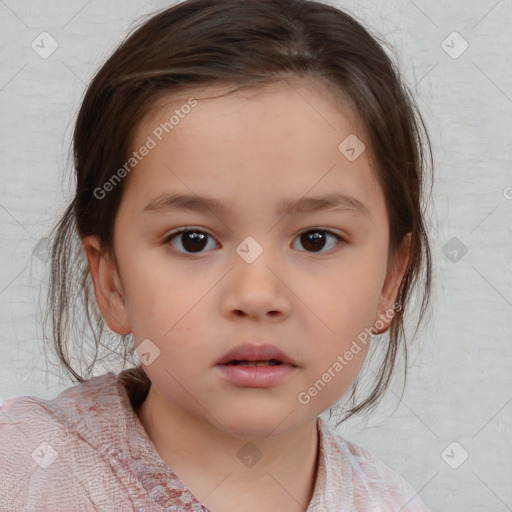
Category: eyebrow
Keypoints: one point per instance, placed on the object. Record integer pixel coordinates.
(169, 202)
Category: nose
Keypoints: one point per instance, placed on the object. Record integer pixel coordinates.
(254, 290)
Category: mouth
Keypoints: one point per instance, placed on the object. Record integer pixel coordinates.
(245, 373)
(256, 366)
(249, 354)
(271, 362)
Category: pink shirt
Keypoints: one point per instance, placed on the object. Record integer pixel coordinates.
(87, 450)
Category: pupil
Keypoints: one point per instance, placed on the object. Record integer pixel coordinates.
(314, 239)
(193, 241)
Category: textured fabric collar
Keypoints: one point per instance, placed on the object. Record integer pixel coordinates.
(105, 411)
(101, 412)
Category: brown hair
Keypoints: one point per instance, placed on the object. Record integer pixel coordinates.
(243, 43)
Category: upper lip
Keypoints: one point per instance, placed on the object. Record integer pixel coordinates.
(251, 352)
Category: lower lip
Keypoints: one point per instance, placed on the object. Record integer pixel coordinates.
(255, 376)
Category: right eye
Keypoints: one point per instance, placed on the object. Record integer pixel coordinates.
(189, 240)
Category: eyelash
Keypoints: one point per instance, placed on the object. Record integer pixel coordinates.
(175, 233)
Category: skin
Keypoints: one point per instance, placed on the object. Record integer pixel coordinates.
(250, 150)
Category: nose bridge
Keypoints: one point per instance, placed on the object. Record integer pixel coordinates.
(254, 287)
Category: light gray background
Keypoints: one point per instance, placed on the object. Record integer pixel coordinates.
(457, 389)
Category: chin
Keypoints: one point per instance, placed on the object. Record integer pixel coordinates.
(259, 424)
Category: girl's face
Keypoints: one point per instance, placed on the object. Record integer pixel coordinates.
(252, 268)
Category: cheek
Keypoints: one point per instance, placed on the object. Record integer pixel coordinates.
(156, 292)
(345, 297)
(173, 318)
(346, 304)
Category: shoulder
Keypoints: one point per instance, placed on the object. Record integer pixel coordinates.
(374, 486)
(24, 420)
(41, 446)
(32, 417)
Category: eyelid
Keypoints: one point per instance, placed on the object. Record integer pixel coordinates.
(325, 230)
(306, 230)
(184, 229)
(188, 228)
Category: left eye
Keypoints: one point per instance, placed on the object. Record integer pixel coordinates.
(191, 240)
(315, 240)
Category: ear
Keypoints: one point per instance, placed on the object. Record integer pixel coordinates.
(397, 266)
(107, 287)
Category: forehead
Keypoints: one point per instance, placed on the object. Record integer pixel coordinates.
(281, 135)
(300, 97)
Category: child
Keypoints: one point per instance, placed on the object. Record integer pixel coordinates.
(249, 211)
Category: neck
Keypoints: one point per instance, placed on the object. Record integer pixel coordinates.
(259, 473)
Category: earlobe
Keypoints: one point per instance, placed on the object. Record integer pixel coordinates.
(107, 287)
(394, 276)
